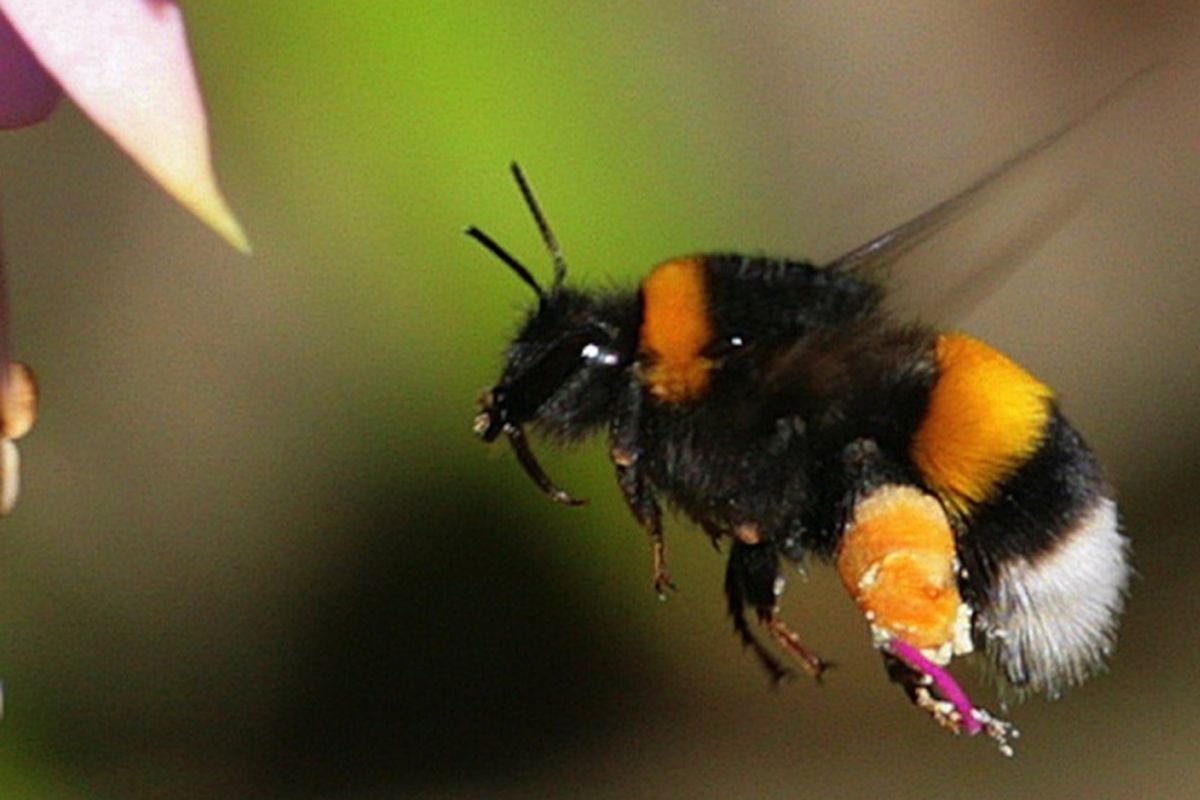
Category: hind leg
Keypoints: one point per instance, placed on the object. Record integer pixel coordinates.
(933, 689)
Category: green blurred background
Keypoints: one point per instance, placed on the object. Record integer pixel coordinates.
(259, 553)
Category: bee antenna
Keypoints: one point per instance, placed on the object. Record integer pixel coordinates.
(560, 263)
(502, 254)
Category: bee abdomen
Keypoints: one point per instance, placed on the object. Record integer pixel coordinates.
(1049, 565)
(1050, 618)
(986, 416)
(1045, 565)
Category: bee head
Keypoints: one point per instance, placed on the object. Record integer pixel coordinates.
(561, 369)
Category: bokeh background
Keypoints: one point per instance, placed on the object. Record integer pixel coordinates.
(259, 553)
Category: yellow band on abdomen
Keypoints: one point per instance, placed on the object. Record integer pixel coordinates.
(986, 417)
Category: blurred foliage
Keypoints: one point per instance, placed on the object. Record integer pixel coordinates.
(259, 552)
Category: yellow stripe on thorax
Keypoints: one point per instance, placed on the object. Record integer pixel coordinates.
(897, 560)
(986, 417)
(676, 328)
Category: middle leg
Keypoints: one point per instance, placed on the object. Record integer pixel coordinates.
(752, 578)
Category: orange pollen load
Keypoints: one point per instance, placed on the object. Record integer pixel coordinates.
(897, 560)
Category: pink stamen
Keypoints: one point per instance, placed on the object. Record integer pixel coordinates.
(943, 682)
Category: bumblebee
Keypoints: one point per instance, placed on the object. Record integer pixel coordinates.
(780, 406)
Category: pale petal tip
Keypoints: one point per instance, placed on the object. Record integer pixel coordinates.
(18, 401)
(210, 206)
(227, 226)
(10, 476)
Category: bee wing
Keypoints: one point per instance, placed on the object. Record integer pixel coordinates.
(874, 259)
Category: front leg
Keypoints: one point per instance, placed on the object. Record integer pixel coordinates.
(626, 453)
(639, 495)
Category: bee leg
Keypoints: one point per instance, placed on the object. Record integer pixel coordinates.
(738, 590)
(812, 663)
(626, 455)
(931, 688)
(752, 578)
(714, 534)
(914, 682)
(639, 496)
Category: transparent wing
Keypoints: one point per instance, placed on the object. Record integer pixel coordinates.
(875, 258)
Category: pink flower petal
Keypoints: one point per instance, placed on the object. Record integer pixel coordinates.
(126, 63)
(27, 92)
